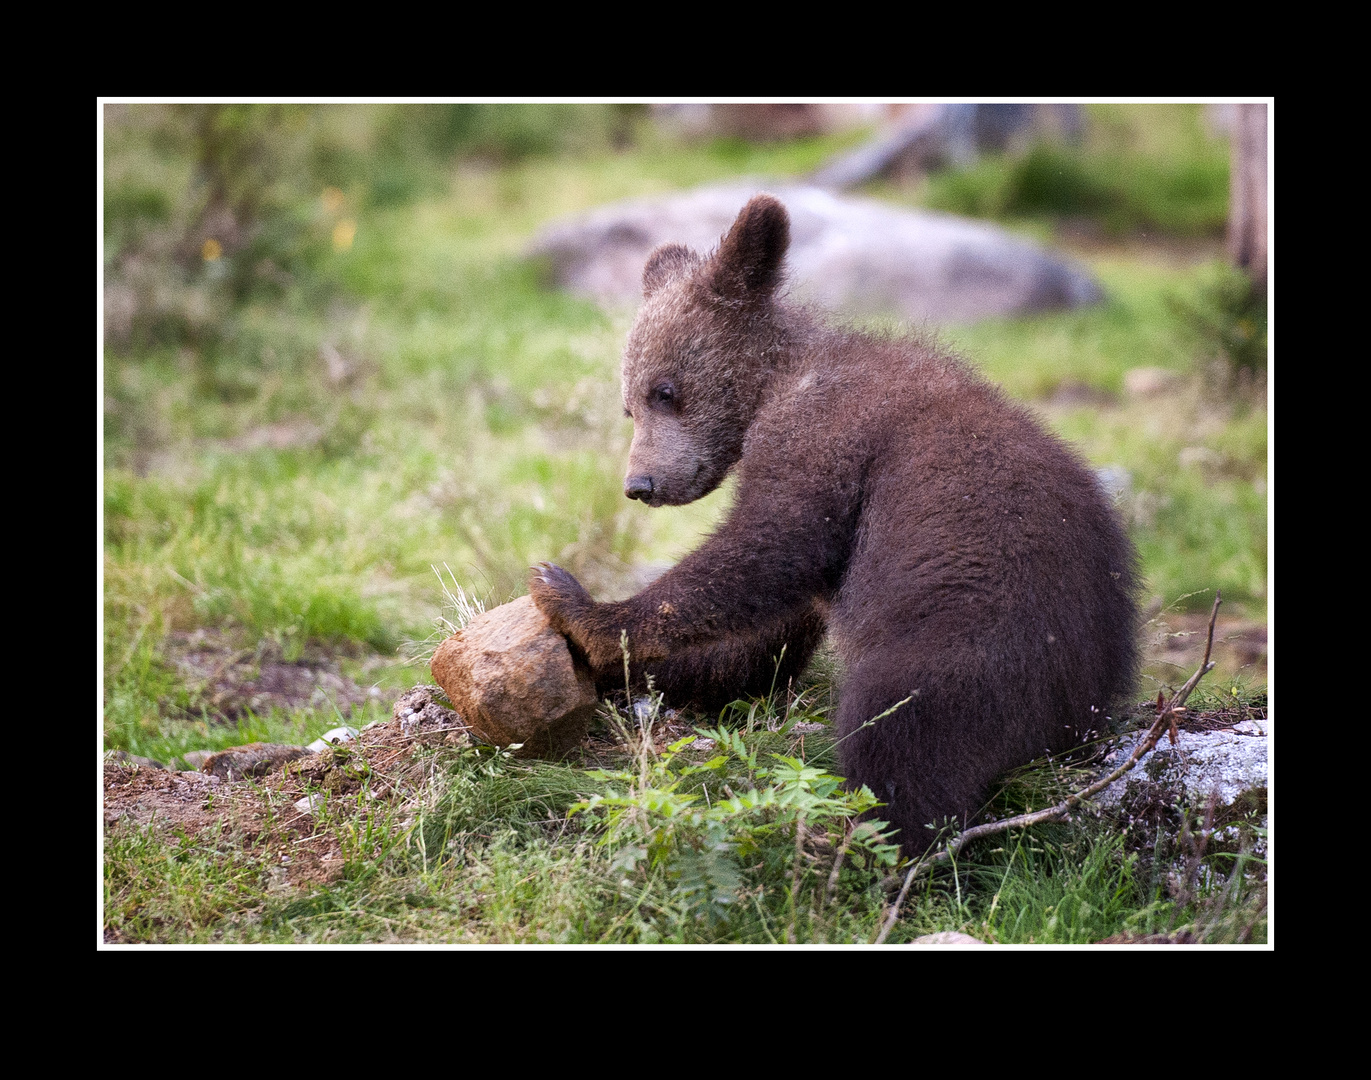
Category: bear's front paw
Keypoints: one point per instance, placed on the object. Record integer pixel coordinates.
(560, 597)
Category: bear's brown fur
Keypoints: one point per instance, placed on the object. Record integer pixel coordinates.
(958, 554)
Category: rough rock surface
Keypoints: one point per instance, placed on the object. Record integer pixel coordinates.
(848, 254)
(419, 714)
(512, 679)
(1163, 804)
(1231, 762)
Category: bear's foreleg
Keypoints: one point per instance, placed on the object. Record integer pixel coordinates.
(716, 621)
(709, 676)
(756, 578)
(699, 670)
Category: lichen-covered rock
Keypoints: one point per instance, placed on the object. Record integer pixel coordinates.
(254, 759)
(1230, 763)
(1163, 804)
(512, 679)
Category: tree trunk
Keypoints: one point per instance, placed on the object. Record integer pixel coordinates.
(1247, 194)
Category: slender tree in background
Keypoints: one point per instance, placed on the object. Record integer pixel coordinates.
(1247, 194)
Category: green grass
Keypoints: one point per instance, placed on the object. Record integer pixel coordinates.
(494, 850)
(298, 431)
(173, 887)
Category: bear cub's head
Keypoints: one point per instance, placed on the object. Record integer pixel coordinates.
(700, 354)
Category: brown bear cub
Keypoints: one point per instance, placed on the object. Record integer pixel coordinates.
(959, 555)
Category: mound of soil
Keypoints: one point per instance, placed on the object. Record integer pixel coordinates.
(262, 812)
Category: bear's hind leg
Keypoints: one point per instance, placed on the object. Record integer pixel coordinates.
(930, 759)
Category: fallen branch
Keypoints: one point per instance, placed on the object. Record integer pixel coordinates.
(1167, 713)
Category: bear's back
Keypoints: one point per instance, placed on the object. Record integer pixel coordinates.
(984, 545)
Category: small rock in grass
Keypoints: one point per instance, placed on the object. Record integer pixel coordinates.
(309, 803)
(419, 713)
(336, 737)
(513, 680)
(947, 937)
(254, 759)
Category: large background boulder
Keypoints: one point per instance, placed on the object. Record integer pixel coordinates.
(853, 255)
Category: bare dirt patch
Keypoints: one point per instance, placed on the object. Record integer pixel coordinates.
(138, 794)
(380, 771)
(1174, 644)
(250, 816)
(228, 681)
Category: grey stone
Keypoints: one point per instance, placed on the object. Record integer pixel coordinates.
(853, 255)
(310, 803)
(1231, 763)
(336, 737)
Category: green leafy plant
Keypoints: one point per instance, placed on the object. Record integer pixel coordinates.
(711, 828)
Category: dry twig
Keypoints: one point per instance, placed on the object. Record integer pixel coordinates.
(848, 833)
(1167, 714)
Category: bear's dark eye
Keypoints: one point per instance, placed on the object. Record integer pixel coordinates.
(664, 395)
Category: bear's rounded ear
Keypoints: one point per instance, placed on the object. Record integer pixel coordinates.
(666, 263)
(748, 264)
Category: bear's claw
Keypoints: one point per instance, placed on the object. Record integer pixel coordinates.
(559, 596)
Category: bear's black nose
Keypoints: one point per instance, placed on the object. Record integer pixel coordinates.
(638, 487)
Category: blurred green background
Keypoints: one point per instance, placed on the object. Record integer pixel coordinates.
(329, 370)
